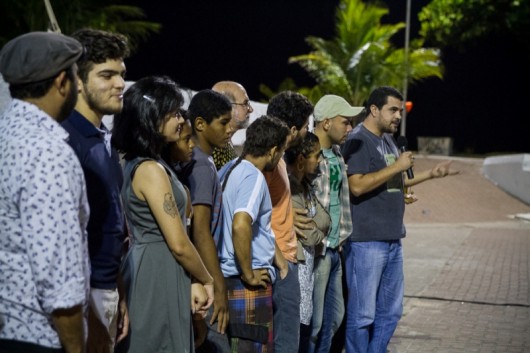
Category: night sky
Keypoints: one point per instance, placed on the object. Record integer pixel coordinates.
(481, 103)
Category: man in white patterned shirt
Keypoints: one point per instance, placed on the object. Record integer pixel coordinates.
(44, 268)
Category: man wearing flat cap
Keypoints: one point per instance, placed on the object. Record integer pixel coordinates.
(332, 123)
(44, 270)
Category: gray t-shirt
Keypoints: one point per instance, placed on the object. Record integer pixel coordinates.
(200, 175)
(378, 214)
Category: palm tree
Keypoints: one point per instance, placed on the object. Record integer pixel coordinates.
(19, 17)
(361, 57)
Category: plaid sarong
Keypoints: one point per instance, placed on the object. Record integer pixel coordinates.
(250, 325)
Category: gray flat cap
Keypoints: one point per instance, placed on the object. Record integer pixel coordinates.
(37, 56)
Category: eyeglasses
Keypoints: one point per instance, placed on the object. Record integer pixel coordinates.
(245, 104)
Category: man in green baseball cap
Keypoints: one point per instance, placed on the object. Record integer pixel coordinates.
(332, 118)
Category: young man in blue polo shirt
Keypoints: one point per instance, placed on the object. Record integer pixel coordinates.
(101, 73)
(248, 252)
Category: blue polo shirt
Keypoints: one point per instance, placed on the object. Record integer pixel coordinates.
(104, 178)
(246, 191)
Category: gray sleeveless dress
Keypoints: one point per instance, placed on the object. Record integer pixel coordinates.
(158, 288)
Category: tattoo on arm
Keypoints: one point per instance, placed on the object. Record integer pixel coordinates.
(170, 206)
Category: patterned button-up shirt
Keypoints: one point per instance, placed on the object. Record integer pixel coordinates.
(322, 191)
(43, 217)
(223, 155)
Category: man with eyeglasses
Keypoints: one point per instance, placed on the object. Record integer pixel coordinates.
(241, 110)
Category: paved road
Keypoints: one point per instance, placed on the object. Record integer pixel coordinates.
(466, 288)
(467, 267)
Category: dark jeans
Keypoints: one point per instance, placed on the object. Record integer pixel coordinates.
(286, 301)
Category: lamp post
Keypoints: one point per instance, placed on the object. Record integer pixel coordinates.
(54, 26)
(403, 126)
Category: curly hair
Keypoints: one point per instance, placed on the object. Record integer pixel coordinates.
(146, 104)
(99, 46)
(263, 134)
(305, 148)
(291, 107)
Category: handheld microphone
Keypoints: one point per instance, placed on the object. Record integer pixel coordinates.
(402, 145)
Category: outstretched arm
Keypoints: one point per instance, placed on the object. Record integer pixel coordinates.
(440, 170)
(362, 183)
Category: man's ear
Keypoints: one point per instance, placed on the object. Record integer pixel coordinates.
(61, 82)
(272, 151)
(373, 109)
(294, 132)
(326, 124)
(199, 124)
(79, 85)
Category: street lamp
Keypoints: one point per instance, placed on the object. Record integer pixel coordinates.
(403, 126)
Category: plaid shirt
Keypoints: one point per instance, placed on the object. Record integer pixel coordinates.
(321, 186)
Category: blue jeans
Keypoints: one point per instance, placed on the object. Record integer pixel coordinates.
(286, 304)
(374, 275)
(328, 301)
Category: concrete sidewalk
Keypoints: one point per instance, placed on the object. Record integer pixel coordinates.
(467, 267)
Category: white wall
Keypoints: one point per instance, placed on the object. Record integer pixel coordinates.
(238, 138)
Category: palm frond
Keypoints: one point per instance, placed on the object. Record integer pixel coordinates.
(362, 57)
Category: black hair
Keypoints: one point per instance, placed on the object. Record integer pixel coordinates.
(304, 148)
(166, 151)
(209, 105)
(379, 97)
(263, 134)
(99, 46)
(146, 105)
(291, 107)
(40, 88)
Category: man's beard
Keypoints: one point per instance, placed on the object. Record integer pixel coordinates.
(242, 124)
(95, 105)
(69, 103)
